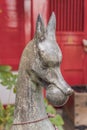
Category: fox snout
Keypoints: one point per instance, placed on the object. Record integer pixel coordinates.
(69, 91)
(56, 96)
(58, 91)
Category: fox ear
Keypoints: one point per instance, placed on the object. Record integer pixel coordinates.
(40, 29)
(51, 28)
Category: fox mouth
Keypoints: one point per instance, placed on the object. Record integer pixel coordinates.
(55, 96)
(56, 93)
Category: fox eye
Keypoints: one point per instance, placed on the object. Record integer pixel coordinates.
(45, 66)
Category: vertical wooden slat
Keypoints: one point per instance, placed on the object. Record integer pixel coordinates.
(78, 15)
(55, 10)
(49, 12)
(32, 20)
(59, 15)
(73, 24)
(51, 5)
(83, 13)
(82, 16)
(65, 15)
(54, 6)
(72, 14)
(69, 14)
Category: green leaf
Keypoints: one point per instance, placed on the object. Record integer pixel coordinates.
(5, 68)
(7, 78)
(60, 128)
(50, 109)
(14, 90)
(57, 120)
(46, 102)
(6, 115)
(1, 110)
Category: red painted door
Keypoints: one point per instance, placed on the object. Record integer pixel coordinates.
(11, 31)
(15, 30)
(71, 18)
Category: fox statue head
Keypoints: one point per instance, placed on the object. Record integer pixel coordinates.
(46, 68)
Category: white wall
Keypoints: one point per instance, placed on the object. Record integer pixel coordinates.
(6, 96)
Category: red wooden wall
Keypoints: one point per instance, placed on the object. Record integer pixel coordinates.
(71, 30)
(11, 30)
(17, 25)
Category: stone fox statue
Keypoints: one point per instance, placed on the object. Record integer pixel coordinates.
(39, 68)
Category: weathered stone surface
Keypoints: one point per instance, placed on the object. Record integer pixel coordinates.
(39, 67)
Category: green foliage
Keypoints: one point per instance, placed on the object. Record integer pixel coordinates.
(7, 78)
(5, 68)
(57, 119)
(6, 116)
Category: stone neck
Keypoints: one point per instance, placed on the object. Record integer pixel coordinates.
(29, 101)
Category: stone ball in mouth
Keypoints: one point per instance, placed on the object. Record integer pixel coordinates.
(55, 96)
